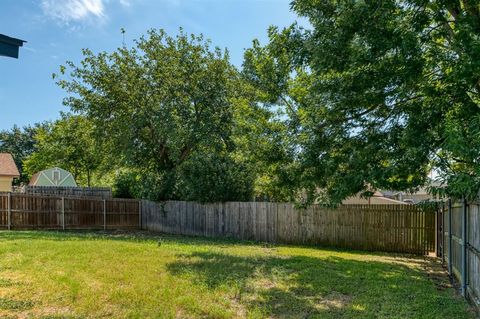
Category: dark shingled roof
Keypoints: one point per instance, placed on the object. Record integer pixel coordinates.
(7, 165)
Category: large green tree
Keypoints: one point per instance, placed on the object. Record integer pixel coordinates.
(156, 107)
(68, 143)
(376, 93)
(262, 144)
(19, 142)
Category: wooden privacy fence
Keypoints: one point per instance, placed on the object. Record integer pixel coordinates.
(97, 192)
(21, 211)
(395, 228)
(460, 245)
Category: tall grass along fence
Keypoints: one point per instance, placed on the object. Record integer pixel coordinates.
(97, 192)
(394, 228)
(22, 211)
(459, 245)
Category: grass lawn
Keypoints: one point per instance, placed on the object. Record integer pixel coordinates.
(95, 275)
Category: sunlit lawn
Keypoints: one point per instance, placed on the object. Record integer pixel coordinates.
(93, 275)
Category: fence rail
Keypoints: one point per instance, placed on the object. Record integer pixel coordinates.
(394, 228)
(91, 192)
(22, 211)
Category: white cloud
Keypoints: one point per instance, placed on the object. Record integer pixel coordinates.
(125, 3)
(73, 10)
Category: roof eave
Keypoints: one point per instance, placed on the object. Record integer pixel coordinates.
(11, 41)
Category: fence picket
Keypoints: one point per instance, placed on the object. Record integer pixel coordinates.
(399, 228)
(24, 211)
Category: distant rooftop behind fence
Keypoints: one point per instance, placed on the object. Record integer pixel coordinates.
(92, 192)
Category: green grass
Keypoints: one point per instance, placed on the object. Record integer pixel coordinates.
(95, 275)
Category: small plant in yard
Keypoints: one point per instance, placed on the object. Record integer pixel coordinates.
(6, 282)
(11, 304)
(92, 275)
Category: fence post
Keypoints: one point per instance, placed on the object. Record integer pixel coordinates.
(63, 213)
(9, 211)
(140, 213)
(443, 234)
(437, 228)
(104, 214)
(450, 236)
(464, 247)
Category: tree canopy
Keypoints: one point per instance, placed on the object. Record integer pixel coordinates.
(365, 95)
(159, 106)
(19, 142)
(376, 94)
(68, 143)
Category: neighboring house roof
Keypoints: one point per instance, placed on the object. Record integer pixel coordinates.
(53, 177)
(421, 194)
(9, 46)
(371, 200)
(384, 200)
(8, 166)
(387, 193)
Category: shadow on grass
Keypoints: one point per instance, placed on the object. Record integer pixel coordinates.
(128, 236)
(149, 236)
(308, 287)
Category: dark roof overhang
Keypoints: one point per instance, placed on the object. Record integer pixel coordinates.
(9, 46)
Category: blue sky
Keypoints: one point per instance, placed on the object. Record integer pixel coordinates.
(56, 30)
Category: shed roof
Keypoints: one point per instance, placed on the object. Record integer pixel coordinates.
(54, 176)
(8, 166)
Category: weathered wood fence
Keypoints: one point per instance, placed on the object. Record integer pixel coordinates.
(21, 211)
(395, 228)
(97, 192)
(460, 245)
